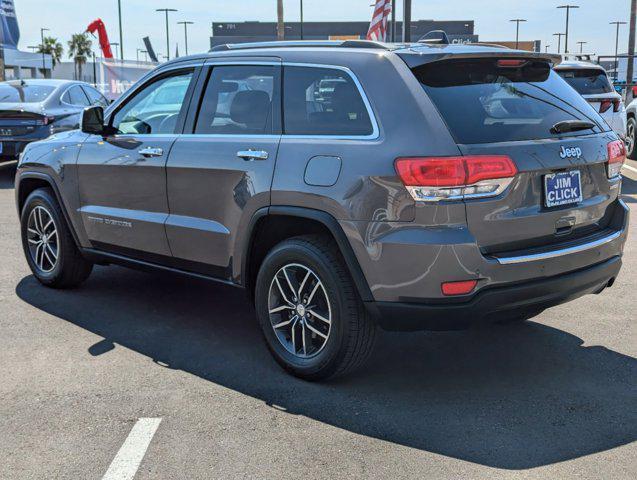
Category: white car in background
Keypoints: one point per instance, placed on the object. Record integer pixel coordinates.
(592, 82)
(631, 130)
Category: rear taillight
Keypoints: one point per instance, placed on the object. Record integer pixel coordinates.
(45, 121)
(432, 179)
(605, 105)
(616, 158)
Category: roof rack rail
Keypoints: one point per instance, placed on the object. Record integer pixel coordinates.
(301, 44)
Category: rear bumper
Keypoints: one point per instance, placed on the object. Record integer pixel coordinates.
(499, 303)
(11, 149)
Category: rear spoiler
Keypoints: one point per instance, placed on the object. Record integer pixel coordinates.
(415, 56)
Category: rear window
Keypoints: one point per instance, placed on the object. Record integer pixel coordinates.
(19, 93)
(587, 82)
(483, 102)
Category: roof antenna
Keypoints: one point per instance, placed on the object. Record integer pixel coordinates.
(435, 37)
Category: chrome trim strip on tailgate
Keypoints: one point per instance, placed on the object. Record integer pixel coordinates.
(558, 253)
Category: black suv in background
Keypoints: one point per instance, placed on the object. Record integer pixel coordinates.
(32, 110)
(344, 185)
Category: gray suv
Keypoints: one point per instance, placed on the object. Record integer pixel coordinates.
(345, 186)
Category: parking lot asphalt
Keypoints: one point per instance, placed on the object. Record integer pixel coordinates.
(553, 398)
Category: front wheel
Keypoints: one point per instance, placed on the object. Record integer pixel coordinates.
(48, 244)
(310, 313)
(631, 130)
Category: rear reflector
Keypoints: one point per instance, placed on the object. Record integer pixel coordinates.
(453, 178)
(616, 158)
(458, 288)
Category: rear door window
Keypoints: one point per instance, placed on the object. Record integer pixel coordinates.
(239, 100)
(95, 97)
(485, 101)
(75, 96)
(323, 101)
(587, 81)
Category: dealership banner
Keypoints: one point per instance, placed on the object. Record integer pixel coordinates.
(115, 77)
(9, 30)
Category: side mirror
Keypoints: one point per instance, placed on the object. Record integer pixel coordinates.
(93, 120)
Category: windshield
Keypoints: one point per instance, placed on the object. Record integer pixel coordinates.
(587, 82)
(485, 101)
(24, 93)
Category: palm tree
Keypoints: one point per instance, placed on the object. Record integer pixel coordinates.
(52, 47)
(280, 27)
(79, 50)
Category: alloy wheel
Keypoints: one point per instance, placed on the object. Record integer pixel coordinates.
(630, 139)
(299, 310)
(43, 239)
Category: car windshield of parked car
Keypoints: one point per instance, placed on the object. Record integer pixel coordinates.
(489, 100)
(24, 93)
(587, 81)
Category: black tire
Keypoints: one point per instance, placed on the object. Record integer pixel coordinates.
(631, 147)
(70, 268)
(352, 333)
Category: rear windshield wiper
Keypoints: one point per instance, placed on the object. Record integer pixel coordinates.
(571, 126)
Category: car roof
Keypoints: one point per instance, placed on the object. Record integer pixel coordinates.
(44, 81)
(425, 52)
(578, 65)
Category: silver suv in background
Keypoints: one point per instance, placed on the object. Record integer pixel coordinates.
(592, 82)
(345, 186)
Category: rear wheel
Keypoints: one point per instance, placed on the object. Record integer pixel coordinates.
(313, 321)
(631, 128)
(48, 245)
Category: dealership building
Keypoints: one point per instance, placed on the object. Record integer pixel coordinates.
(458, 31)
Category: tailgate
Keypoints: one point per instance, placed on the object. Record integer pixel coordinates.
(520, 218)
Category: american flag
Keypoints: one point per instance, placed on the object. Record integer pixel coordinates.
(378, 27)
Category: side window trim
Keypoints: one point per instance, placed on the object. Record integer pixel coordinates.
(195, 69)
(368, 106)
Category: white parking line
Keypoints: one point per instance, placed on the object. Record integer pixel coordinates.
(632, 169)
(125, 464)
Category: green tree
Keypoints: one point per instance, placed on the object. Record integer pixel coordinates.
(52, 47)
(79, 50)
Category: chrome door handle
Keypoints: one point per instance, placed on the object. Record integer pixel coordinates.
(151, 152)
(248, 155)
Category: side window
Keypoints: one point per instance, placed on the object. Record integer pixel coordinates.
(75, 96)
(95, 97)
(323, 101)
(238, 100)
(155, 108)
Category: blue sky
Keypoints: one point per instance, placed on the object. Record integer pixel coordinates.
(64, 17)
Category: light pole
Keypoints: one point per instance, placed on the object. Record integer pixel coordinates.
(517, 30)
(581, 46)
(117, 51)
(546, 48)
(301, 19)
(568, 10)
(166, 10)
(42, 30)
(559, 41)
(121, 34)
(406, 21)
(145, 52)
(617, 23)
(185, 24)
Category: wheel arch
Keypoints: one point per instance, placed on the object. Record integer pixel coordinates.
(28, 182)
(275, 224)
